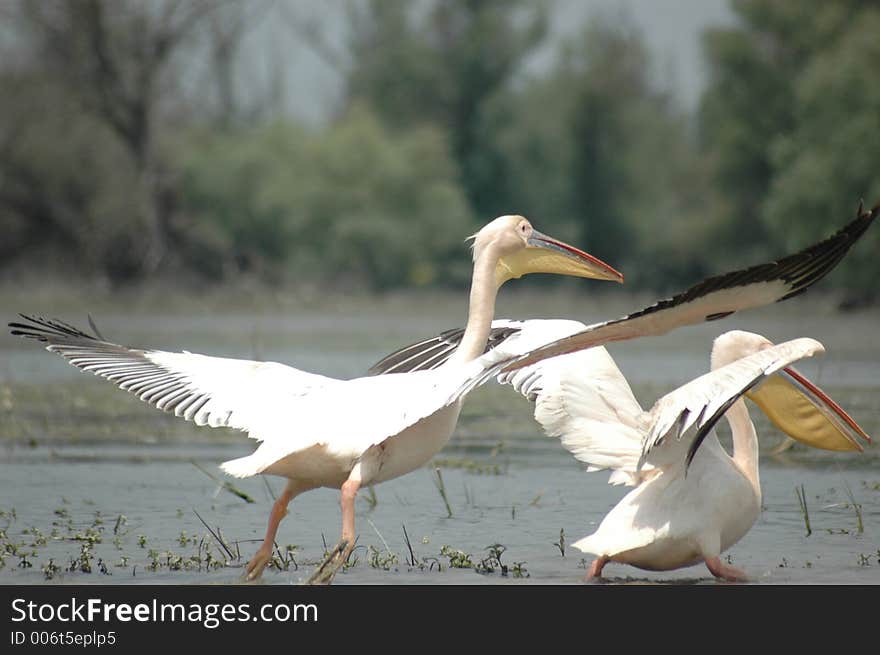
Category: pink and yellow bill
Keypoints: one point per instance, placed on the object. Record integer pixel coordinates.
(806, 413)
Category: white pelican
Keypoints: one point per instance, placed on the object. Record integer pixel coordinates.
(692, 500)
(318, 431)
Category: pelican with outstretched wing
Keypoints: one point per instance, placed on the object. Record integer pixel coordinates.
(314, 430)
(692, 501)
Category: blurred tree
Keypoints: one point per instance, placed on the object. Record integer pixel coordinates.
(790, 121)
(829, 158)
(441, 63)
(103, 75)
(595, 150)
(356, 205)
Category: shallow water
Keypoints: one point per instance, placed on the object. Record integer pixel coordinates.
(77, 454)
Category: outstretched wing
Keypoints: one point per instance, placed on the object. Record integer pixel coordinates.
(287, 409)
(213, 391)
(433, 352)
(702, 402)
(583, 398)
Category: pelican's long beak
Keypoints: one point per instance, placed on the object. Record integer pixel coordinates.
(544, 254)
(806, 413)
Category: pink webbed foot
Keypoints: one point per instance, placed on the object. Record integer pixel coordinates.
(595, 570)
(724, 571)
(258, 562)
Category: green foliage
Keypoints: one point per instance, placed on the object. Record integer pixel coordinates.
(443, 65)
(67, 189)
(829, 159)
(115, 164)
(790, 121)
(353, 204)
(593, 151)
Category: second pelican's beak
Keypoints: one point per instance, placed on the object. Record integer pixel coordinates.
(806, 413)
(544, 254)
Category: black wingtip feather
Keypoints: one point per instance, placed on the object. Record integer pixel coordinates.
(706, 427)
(49, 330)
(418, 355)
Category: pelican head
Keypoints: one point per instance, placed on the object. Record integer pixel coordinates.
(792, 403)
(521, 249)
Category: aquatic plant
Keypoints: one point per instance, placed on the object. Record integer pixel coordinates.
(802, 501)
(458, 559)
(441, 487)
(857, 508)
(561, 543)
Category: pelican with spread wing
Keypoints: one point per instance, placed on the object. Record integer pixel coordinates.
(314, 430)
(692, 501)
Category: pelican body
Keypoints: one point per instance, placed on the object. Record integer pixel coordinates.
(692, 499)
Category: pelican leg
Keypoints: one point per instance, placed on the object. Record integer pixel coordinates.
(263, 556)
(595, 570)
(724, 572)
(327, 569)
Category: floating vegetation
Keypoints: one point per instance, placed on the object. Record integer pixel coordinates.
(39, 539)
(50, 569)
(457, 559)
(83, 563)
(384, 560)
(492, 563)
(92, 535)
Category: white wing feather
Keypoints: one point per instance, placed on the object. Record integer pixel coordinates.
(581, 398)
(288, 410)
(694, 404)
